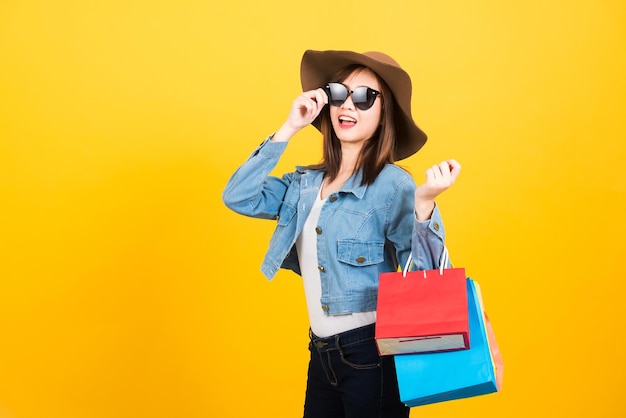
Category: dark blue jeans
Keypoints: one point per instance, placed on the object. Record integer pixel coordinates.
(348, 379)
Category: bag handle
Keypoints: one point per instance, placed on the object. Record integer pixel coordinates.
(442, 262)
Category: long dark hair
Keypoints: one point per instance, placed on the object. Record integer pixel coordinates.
(377, 150)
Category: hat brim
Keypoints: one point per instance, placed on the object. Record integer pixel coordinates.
(318, 67)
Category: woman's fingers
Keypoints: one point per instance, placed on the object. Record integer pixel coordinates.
(455, 168)
(307, 106)
(446, 170)
(320, 97)
(439, 178)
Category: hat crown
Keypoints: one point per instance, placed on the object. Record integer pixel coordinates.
(384, 58)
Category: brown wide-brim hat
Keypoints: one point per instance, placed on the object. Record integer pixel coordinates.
(318, 67)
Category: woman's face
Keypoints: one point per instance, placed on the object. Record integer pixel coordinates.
(351, 124)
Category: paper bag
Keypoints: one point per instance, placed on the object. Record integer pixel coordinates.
(422, 311)
(437, 377)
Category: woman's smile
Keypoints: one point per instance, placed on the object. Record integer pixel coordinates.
(346, 122)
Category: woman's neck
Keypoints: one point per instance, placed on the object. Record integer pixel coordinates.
(349, 159)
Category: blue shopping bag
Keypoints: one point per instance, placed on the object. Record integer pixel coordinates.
(437, 377)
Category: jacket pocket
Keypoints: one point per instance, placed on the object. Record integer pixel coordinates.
(360, 253)
(286, 214)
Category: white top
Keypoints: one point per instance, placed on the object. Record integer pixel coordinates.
(322, 325)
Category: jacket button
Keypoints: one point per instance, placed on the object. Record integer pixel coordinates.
(276, 218)
(325, 308)
(321, 268)
(333, 198)
(318, 230)
(360, 259)
(436, 226)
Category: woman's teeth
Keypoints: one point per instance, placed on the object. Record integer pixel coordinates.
(345, 119)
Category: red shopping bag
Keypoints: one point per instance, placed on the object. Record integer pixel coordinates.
(422, 311)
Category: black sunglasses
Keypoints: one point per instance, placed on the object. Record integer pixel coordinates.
(362, 97)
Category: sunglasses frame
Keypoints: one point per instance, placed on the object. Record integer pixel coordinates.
(361, 105)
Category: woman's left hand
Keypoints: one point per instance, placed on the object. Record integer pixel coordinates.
(438, 179)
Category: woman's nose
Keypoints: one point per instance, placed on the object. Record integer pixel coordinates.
(348, 104)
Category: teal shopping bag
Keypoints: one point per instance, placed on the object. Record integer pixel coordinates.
(437, 377)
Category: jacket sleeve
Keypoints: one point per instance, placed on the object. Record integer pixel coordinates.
(251, 191)
(423, 240)
(428, 242)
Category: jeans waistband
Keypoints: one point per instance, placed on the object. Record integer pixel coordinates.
(343, 339)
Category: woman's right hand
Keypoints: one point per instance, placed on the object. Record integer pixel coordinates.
(304, 109)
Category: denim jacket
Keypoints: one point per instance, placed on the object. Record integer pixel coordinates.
(362, 230)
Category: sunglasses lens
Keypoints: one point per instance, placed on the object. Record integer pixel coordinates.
(363, 98)
(337, 93)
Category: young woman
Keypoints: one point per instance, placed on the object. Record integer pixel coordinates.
(342, 222)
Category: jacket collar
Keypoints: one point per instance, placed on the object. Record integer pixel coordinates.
(352, 185)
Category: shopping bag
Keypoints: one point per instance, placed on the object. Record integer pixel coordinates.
(422, 311)
(437, 377)
(496, 356)
(494, 349)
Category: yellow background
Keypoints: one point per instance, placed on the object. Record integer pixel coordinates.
(127, 289)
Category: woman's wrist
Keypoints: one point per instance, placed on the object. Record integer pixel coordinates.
(424, 210)
(284, 134)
